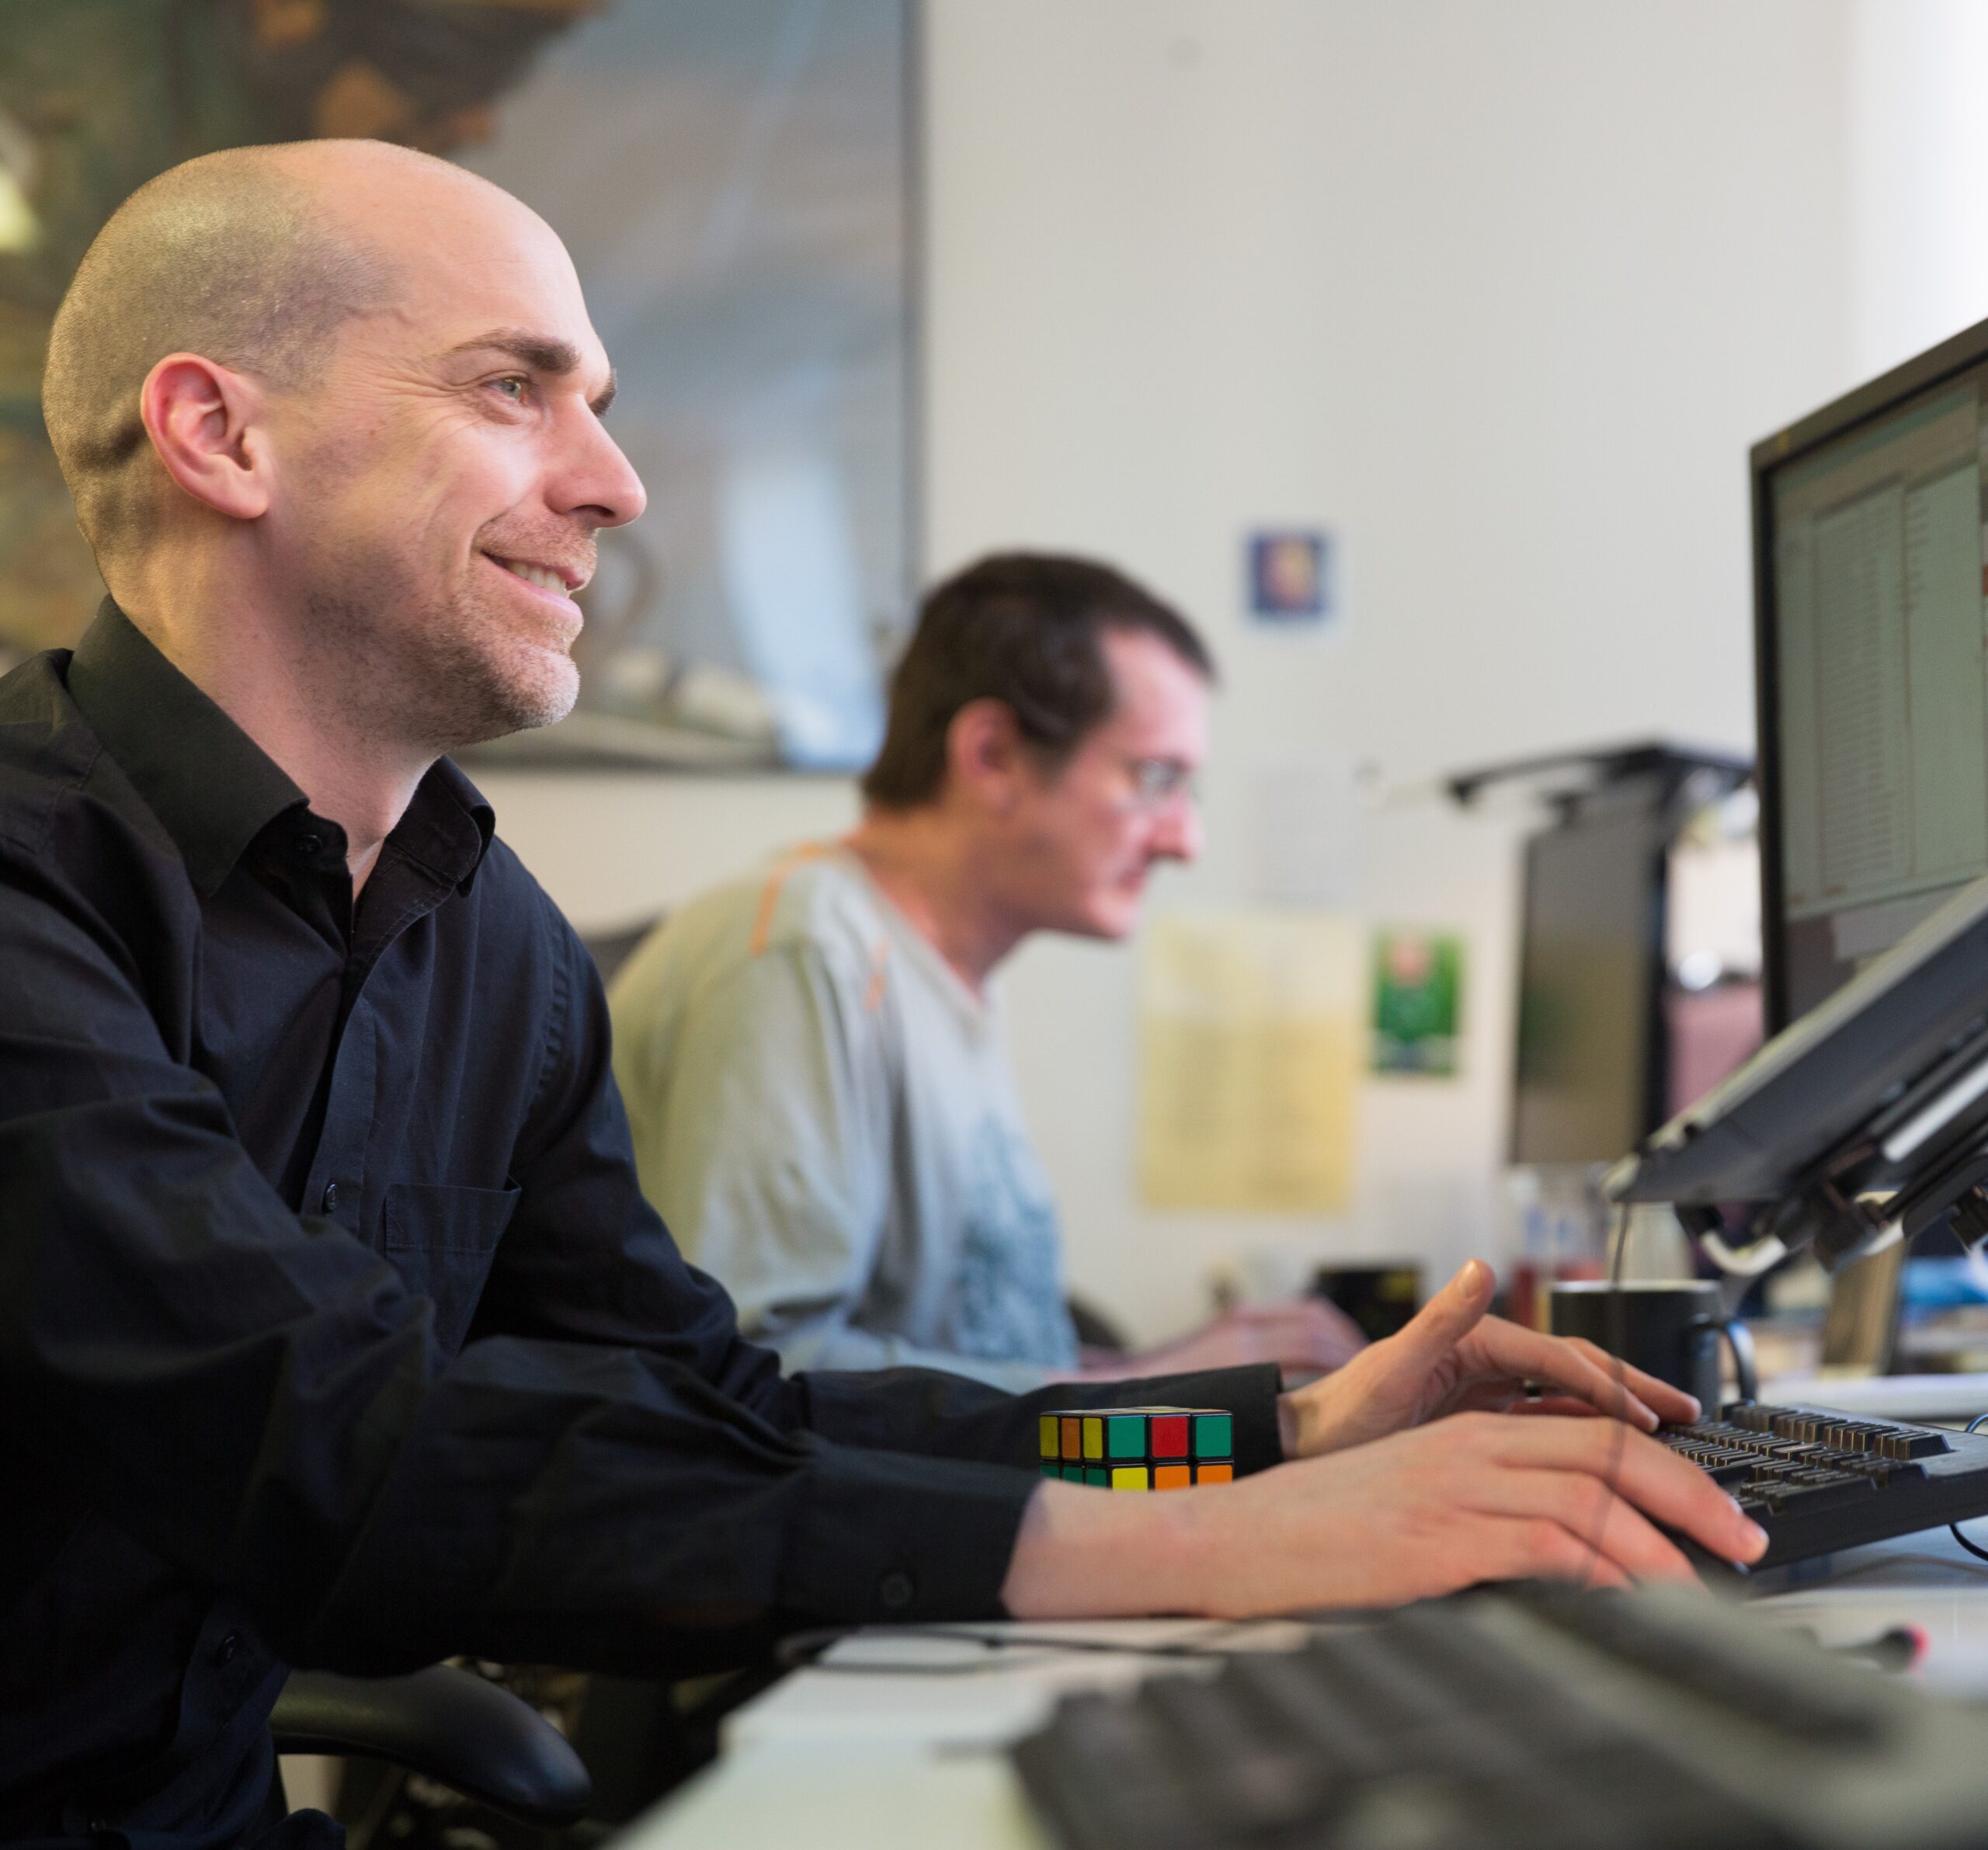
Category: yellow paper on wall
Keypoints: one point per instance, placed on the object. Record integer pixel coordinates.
(1252, 1038)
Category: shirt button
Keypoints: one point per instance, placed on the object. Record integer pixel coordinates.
(224, 1651)
(896, 1590)
(308, 846)
(330, 1197)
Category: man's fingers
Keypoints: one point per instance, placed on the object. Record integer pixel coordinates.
(1448, 1317)
(1554, 1406)
(1666, 1487)
(1672, 1403)
(1536, 1547)
(1610, 1385)
(1605, 1525)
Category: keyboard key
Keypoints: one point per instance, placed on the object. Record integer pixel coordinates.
(1805, 1499)
(1527, 1719)
(1840, 1483)
(1916, 1444)
(1720, 1669)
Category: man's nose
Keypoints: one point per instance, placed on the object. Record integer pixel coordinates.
(1177, 830)
(593, 479)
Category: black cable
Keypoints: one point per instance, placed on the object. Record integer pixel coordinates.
(802, 1649)
(1953, 1528)
(1618, 1341)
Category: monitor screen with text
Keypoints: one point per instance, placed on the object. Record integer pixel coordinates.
(1879, 698)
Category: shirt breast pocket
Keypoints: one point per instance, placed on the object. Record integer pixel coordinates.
(441, 1240)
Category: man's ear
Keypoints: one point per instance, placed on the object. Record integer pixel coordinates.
(205, 423)
(986, 753)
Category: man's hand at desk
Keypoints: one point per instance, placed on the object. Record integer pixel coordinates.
(1306, 1335)
(1453, 1358)
(1404, 1483)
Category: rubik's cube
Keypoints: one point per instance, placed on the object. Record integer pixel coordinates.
(1139, 1447)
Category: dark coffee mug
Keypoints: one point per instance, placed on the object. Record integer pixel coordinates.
(1669, 1329)
(1380, 1298)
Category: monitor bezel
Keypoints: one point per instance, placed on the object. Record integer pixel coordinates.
(1934, 368)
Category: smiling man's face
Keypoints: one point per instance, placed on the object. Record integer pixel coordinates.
(441, 484)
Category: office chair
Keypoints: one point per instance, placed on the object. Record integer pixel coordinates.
(610, 950)
(1095, 1330)
(448, 1724)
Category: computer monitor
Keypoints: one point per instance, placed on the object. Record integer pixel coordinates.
(1872, 671)
(1608, 1044)
(1590, 1078)
(1865, 1120)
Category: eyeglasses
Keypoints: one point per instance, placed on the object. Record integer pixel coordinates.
(1156, 782)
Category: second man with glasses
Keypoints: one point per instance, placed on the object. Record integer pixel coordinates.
(822, 1106)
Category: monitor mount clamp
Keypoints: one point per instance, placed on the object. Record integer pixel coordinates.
(1923, 1160)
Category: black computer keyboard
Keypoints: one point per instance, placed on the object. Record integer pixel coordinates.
(1817, 1481)
(1520, 1719)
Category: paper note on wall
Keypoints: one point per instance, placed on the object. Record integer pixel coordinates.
(1251, 1037)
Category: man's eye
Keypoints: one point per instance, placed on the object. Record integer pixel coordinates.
(513, 387)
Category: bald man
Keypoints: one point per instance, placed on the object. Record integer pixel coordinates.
(333, 1327)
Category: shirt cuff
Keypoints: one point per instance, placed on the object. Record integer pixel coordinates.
(894, 1536)
(933, 1414)
(1249, 1393)
(892, 1539)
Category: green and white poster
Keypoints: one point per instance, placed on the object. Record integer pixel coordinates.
(1418, 1003)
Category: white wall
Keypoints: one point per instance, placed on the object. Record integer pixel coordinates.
(1918, 146)
(616, 849)
(1500, 294)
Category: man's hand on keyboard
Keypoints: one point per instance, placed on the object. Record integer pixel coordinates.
(1475, 1498)
(1454, 1358)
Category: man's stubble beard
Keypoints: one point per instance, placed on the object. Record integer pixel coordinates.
(435, 678)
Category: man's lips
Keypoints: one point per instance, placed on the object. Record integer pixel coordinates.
(559, 580)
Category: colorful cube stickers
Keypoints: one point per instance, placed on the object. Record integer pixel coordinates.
(1139, 1447)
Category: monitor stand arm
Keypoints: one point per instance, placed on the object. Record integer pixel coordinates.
(1840, 1224)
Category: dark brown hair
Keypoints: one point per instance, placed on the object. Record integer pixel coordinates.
(1026, 629)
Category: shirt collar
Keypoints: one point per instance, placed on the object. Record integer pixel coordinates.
(210, 785)
(447, 827)
(213, 788)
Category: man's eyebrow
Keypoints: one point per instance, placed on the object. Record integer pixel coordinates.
(542, 353)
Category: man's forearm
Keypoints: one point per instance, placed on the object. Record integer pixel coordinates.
(1296, 1419)
(1081, 1555)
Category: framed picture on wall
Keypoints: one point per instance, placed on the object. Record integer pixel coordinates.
(736, 185)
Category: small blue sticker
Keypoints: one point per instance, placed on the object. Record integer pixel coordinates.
(1291, 570)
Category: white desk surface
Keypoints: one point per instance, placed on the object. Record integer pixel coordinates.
(1935, 1397)
(838, 1760)
(858, 1759)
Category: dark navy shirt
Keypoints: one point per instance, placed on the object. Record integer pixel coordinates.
(333, 1329)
